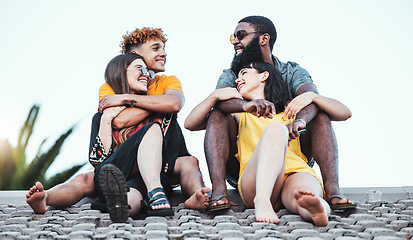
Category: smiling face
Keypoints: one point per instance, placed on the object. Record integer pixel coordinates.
(153, 51)
(138, 83)
(250, 83)
(247, 28)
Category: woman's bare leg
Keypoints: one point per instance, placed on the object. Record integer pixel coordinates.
(149, 159)
(302, 194)
(264, 173)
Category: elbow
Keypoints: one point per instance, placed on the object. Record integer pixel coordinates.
(343, 116)
(188, 125)
(118, 124)
(348, 115)
(175, 107)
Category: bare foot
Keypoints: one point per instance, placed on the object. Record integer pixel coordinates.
(198, 200)
(36, 198)
(264, 212)
(313, 205)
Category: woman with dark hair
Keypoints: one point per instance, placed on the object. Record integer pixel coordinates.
(126, 81)
(131, 157)
(273, 170)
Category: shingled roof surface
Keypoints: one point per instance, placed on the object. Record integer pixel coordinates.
(384, 219)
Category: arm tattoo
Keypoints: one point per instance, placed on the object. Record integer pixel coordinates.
(132, 103)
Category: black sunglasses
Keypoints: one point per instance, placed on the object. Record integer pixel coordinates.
(241, 34)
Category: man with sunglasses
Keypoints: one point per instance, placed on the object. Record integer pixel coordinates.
(253, 41)
(164, 96)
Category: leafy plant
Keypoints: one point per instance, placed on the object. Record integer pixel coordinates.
(16, 173)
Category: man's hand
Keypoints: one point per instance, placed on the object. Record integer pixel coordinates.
(260, 108)
(111, 100)
(293, 128)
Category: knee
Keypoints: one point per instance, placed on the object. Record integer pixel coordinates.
(187, 163)
(216, 115)
(322, 119)
(277, 129)
(155, 129)
(86, 182)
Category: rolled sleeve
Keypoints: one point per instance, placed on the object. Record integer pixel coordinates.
(295, 76)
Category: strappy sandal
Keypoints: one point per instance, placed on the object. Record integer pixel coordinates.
(113, 186)
(158, 197)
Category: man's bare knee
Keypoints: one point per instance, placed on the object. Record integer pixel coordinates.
(187, 163)
(86, 182)
(321, 119)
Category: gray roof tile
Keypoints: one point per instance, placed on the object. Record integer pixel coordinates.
(370, 220)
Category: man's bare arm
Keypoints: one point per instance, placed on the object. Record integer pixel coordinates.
(170, 102)
(231, 105)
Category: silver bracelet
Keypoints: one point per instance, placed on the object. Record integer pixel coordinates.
(305, 124)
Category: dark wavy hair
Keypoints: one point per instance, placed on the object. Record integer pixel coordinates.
(116, 77)
(263, 25)
(115, 73)
(275, 89)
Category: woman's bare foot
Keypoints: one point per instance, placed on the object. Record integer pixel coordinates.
(264, 212)
(36, 198)
(198, 200)
(314, 206)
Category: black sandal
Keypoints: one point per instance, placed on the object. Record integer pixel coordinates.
(158, 199)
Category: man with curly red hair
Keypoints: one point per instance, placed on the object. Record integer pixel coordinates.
(164, 99)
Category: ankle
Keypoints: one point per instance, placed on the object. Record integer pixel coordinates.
(259, 200)
(219, 189)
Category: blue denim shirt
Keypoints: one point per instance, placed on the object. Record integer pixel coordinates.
(291, 72)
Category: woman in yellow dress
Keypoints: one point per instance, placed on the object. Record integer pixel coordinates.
(273, 170)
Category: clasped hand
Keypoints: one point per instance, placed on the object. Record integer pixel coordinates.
(111, 100)
(260, 108)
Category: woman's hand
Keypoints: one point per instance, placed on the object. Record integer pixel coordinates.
(227, 93)
(298, 103)
(112, 112)
(111, 100)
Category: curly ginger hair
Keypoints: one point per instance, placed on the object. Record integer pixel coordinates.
(138, 37)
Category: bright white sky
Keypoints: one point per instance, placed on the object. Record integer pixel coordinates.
(54, 53)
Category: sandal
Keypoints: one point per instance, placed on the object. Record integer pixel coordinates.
(218, 207)
(158, 199)
(113, 186)
(341, 206)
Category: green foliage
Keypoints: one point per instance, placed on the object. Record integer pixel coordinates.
(15, 173)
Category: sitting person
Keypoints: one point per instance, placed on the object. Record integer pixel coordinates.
(253, 40)
(273, 170)
(164, 92)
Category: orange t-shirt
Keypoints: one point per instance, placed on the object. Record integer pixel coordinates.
(158, 87)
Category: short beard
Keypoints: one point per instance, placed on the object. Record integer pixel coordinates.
(251, 53)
